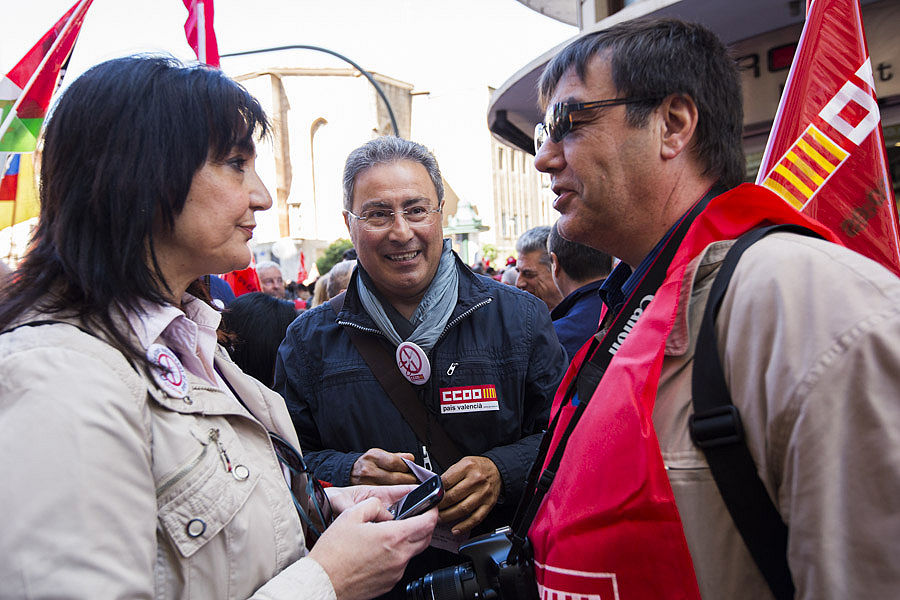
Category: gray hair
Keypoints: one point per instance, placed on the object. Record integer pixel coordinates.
(509, 276)
(535, 239)
(388, 149)
(266, 264)
(339, 277)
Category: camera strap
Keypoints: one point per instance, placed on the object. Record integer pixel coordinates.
(586, 380)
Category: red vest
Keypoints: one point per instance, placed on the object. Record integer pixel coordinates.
(609, 528)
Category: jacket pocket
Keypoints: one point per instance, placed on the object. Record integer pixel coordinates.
(201, 497)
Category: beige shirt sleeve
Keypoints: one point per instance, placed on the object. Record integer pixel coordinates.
(78, 497)
(305, 579)
(812, 359)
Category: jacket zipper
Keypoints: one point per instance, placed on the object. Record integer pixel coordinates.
(453, 323)
(183, 471)
(361, 328)
(214, 437)
(426, 460)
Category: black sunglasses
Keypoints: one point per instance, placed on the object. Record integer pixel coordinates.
(558, 118)
(321, 513)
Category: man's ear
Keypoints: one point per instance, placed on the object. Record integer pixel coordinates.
(679, 121)
(347, 218)
(554, 265)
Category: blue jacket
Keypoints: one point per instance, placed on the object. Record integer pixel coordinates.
(497, 335)
(577, 317)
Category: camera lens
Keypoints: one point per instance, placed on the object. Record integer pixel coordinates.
(452, 583)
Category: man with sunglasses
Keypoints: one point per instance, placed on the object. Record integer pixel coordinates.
(481, 358)
(642, 141)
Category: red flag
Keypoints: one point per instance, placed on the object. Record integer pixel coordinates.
(200, 19)
(826, 155)
(10, 179)
(243, 281)
(302, 273)
(26, 90)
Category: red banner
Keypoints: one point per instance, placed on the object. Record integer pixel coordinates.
(243, 281)
(302, 273)
(825, 155)
(199, 31)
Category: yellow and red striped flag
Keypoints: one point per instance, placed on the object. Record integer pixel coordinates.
(18, 190)
(825, 155)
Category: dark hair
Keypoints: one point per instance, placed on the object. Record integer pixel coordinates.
(580, 262)
(389, 149)
(535, 240)
(256, 323)
(656, 58)
(121, 149)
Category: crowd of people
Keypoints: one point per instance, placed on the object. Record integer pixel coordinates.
(683, 388)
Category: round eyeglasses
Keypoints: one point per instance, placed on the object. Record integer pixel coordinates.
(320, 514)
(558, 118)
(375, 219)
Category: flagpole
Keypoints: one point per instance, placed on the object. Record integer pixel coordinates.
(201, 31)
(15, 201)
(5, 158)
(760, 175)
(15, 107)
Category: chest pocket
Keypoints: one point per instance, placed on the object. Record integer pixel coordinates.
(200, 497)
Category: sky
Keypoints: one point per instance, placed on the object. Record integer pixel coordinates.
(432, 44)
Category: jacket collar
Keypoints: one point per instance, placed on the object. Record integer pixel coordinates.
(563, 308)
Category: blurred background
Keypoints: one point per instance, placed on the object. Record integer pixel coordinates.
(456, 76)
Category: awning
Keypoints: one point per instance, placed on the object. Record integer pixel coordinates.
(513, 110)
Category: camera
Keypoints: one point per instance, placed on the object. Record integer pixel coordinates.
(488, 576)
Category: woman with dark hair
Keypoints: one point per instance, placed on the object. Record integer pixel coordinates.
(256, 323)
(138, 460)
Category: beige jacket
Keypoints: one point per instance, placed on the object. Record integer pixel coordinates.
(811, 352)
(112, 489)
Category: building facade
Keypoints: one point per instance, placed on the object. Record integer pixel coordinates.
(318, 115)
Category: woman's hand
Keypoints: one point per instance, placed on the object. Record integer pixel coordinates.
(343, 498)
(364, 552)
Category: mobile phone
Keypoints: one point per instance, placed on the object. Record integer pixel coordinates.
(419, 500)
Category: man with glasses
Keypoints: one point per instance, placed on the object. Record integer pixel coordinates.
(482, 358)
(642, 142)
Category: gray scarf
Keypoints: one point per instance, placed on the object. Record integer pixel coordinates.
(433, 311)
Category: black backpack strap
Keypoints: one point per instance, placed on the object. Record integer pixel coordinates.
(717, 430)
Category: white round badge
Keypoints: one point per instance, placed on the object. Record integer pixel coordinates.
(170, 373)
(413, 363)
